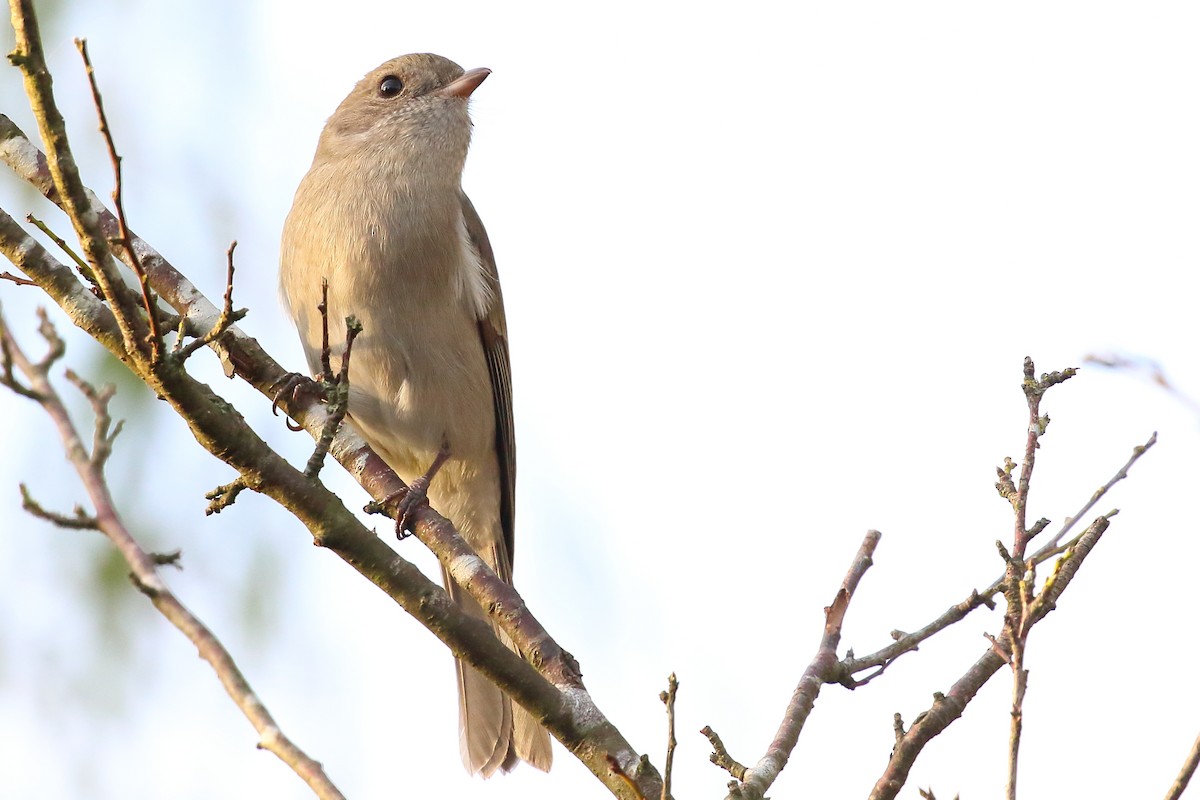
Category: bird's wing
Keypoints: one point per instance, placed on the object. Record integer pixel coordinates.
(493, 334)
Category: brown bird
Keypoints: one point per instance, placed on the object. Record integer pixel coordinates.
(382, 217)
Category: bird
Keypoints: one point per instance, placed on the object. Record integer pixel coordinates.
(382, 218)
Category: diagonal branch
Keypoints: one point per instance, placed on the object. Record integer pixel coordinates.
(143, 566)
(1185, 772)
(823, 669)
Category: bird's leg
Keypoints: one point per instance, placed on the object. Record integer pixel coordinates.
(416, 493)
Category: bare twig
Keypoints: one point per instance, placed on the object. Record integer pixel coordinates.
(223, 496)
(1024, 607)
(1034, 389)
(337, 387)
(84, 307)
(1052, 548)
(1019, 575)
(323, 310)
(17, 279)
(80, 264)
(668, 698)
(910, 642)
(154, 336)
(226, 320)
(948, 707)
(1186, 772)
(720, 756)
(824, 668)
(104, 431)
(78, 520)
(90, 467)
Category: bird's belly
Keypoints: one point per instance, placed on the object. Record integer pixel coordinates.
(409, 401)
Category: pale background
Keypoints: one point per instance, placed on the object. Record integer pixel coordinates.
(770, 275)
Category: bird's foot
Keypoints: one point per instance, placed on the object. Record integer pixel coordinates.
(293, 386)
(409, 500)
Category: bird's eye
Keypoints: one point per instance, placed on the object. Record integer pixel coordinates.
(390, 86)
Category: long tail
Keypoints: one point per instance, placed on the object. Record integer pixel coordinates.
(493, 732)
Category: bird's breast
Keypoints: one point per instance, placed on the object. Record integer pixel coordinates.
(398, 258)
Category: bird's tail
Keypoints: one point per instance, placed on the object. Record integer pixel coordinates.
(493, 732)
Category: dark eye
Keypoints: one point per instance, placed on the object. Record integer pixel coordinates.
(390, 86)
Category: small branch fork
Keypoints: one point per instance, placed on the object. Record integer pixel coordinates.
(143, 565)
(227, 318)
(1024, 609)
(910, 642)
(752, 784)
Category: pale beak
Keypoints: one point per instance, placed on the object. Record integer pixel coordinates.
(468, 83)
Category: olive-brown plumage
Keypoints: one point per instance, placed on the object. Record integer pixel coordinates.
(382, 216)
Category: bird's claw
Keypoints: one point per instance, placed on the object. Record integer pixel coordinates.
(292, 387)
(416, 495)
(408, 502)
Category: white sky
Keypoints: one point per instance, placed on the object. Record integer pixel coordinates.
(770, 275)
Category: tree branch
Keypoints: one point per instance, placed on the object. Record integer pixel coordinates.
(910, 642)
(144, 566)
(1185, 772)
(65, 183)
(949, 707)
(153, 335)
(823, 669)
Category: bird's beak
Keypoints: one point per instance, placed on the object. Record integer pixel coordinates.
(468, 83)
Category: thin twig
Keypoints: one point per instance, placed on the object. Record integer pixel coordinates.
(1024, 608)
(1051, 548)
(223, 496)
(824, 668)
(102, 437)
(337, 386)
(126, 241)
(79, 520)
(226, 319)
(910, 642)
(80, 264)
(323, 310)
(1186, 772)
(17, 279)
(720, 755)
(85, 308)
(144, 565)
(1019, 574)
(668, 698)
